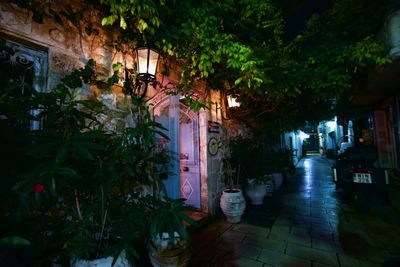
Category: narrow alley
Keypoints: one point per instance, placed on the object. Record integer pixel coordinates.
(305, 223)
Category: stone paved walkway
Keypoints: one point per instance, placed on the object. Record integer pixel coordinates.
(309, 225)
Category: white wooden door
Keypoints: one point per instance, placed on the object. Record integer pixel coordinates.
(189, 156)
(166, 112)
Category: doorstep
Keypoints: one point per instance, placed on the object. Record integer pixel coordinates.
(200, 217)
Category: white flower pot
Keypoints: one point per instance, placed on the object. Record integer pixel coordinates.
(278, 179)
(164, 253)
(233, 204)
(256, 193)
(102, 262)
(269, 185)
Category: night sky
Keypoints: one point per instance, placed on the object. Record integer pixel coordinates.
(297, 12)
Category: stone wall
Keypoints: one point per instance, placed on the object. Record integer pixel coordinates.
(70, 45)
(214, 162)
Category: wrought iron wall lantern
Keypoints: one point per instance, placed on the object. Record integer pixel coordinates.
(136, 84)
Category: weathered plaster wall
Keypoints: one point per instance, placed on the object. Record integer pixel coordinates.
(214, 163)
(69, 46)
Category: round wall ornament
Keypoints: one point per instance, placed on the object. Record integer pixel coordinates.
(213, 146)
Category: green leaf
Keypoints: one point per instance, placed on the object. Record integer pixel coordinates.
(122, 23)
(83, 151)
(14, 240)
(238, 81)
(68, 172)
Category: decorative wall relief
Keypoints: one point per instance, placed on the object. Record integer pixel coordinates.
(57, 35)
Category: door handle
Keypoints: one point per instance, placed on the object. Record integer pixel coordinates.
(185, 169)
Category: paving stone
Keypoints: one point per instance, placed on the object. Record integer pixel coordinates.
(251, 229)
(377, 255)
(317, 204)
(264, 243)
(238, 250)
(315, 228)
(321, 234)
(320, 214)
(245, 262)
(317, 209)
(283, 221)
(326, 244)
(302, 212)
(348, 261)
(320, 256)
(302, 221)
(204, 256)
(317, 264)
(302, 241)
(232, 236)
(300, 232)
(280, 259)
(300, 238)
(279, 232)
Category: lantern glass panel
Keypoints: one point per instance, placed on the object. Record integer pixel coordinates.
(142, 60)
(153, 60)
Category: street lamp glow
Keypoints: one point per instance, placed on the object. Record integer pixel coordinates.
(232, 102)
(303, 135)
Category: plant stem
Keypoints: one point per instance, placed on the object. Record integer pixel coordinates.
(77, 205)
(103, 224)
(103, 221)
(237, 176)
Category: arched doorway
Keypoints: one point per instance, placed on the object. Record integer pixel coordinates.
(189, 156)
(182, 127)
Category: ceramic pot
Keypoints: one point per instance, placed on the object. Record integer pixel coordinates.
(163, 253)
(256, 192)
(269, 185)
(102, 262)
(278, 179)
(233, 204)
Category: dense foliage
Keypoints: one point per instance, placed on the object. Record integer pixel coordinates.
(284, 61)
(75, 187)
(242, 47)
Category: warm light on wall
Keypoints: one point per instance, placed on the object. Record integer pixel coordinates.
(232, 102)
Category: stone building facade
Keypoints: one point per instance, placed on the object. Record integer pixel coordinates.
(57, 45)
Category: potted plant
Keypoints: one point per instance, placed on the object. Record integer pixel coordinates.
(252, 158)
(80, 182)
(280, 163)
(232, 202)
(15, 251)
(256, 190)
(169, 243)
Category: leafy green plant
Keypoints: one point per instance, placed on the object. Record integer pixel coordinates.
(168, 217)
(257, 158)
(81, 182)
(230, 174)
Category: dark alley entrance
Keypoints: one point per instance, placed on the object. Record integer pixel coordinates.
(305, 223)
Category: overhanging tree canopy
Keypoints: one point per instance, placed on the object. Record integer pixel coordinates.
(240, 47)
(245, 47)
